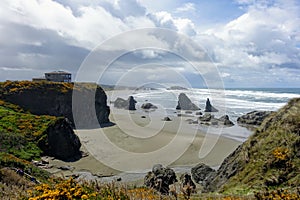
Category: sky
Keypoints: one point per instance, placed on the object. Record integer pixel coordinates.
(245, 43)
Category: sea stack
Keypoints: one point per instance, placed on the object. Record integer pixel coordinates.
(132, 103)
(209, 107)
(184, 103)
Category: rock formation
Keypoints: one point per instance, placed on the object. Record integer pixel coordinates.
(128, 104)
(187, 185)
(209, 119)
(184, 103)
(254, 118)
(29, 136)
(121, 103)
(55, 99)
(132, 103)
(160, 178)
(167, 119)
(148, 106)
(203, 174)
(209, 107)
(61, 141)
(224, 120)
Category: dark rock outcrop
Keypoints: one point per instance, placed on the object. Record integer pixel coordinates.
(206, 117)
(187, 185)
(184, 103)
(60, 141)
(210, 179)
(203, 174)
(167, 119)
(148, 106)
(128, 104)
(224, 120)
(131, 103)
(160, 178)
(55, 99)
(209, 119)
(254, 118)
(121, 103)
(209, 107)
(198, 113)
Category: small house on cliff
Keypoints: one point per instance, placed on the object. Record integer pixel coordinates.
(56, 76)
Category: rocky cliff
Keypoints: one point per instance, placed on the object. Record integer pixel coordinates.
(29, 136)
(270, 158)
(55, 99)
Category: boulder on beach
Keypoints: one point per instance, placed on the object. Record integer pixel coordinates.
(61, 142)
(132, 103)
(206, 117)
(128, 104)
(160, 178)
(202, 173)
(198, 113)
(254, 118)
(167, 119)
(120, 103)
(184, 103)
(148, 106)
(209, 107)
(224, 120)
(209, 119)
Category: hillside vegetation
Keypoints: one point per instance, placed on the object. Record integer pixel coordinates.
(270, 158)
(60, 100)
(20, 133)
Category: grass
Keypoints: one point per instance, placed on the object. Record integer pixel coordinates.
(270, 158)
(11, 87)
(21, 132)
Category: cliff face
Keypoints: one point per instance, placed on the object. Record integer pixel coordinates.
(29, 136)
(55, 99)
(60, 141)
(270, 158)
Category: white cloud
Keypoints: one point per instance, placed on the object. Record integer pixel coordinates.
(166, 20)
(60, 32)
(187, 7)
(258, 38)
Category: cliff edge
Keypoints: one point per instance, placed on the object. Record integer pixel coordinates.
(55, 99)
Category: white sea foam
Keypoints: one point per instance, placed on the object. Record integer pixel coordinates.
(234, 102)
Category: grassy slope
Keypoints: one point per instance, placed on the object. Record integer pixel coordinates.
(271, 157)
(20, 132)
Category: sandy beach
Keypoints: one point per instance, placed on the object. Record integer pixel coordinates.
(140, 139)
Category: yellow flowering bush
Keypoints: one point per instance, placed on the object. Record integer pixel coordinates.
(72, 189)
(279, 194)
(280, 153)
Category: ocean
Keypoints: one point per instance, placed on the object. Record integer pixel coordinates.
(232, 102)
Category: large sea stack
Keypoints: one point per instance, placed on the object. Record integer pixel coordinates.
(209, 107)
(184, 103)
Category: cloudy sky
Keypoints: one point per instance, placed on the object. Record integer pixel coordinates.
(252, 43)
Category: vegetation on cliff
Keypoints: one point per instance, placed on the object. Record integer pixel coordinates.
(270, 158)
(58, 99)
(21, 132)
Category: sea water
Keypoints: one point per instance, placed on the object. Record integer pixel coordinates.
(232, 102)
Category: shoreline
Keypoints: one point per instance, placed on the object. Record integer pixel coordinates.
(144, 137)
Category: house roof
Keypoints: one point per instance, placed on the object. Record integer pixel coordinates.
(58, 72)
